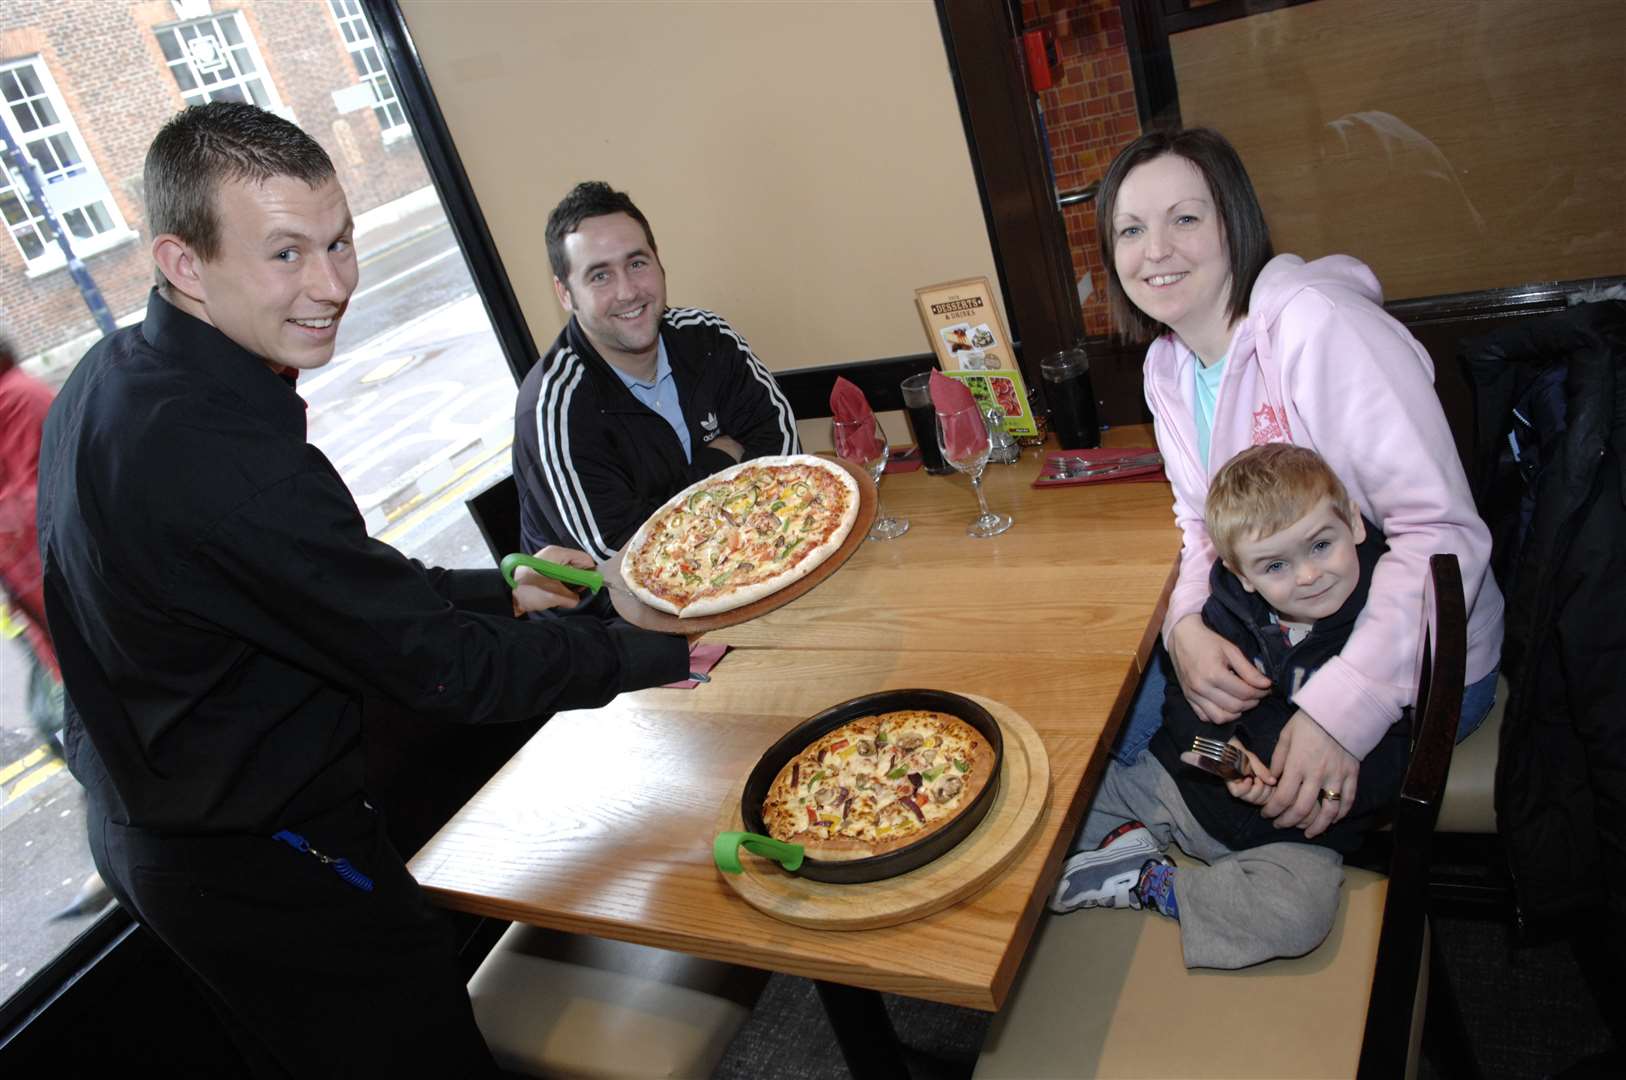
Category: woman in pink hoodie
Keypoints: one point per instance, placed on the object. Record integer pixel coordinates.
(1250, 349)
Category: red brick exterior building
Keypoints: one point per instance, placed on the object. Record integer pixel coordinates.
(112, 68)
(1090, 115)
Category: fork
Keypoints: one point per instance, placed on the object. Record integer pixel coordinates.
(1220, 758)
(1076, 468)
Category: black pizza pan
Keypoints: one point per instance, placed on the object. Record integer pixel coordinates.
(911, 856)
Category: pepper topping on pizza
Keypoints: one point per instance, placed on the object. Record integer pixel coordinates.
(741, 534)
(878, 783)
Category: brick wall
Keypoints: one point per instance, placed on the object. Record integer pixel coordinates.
(1090, 115)
(109, 69)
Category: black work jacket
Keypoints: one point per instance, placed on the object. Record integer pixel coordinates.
(1554, 388)
(593, 462)
(1245, 620)
(220, 610)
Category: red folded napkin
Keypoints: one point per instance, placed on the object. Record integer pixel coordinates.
(964, 433)
(702, 658)
(855, 438)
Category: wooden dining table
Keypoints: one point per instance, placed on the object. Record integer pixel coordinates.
(603, 823)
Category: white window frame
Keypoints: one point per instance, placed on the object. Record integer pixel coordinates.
(91, 188)
(357, 33)
(202, 92)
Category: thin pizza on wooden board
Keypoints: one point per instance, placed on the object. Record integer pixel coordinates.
(741, 534)
(878, 783)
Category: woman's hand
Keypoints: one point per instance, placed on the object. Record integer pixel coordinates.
(1306, 762)
(1219, 681)
(534, 592)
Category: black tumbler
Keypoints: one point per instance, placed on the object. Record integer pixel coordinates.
(917, 402)
(1071, 395)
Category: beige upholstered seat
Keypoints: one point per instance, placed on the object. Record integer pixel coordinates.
(1469, 804)
(558, 1005)
(1105, 994)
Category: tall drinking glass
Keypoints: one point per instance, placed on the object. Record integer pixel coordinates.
(963, 438)
(865, 446)
(917, 402)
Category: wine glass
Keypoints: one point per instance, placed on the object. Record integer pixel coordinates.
(864, 444)
(964, 441)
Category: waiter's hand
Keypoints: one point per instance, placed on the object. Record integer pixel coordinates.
(728, 445)
(535, 592)
(1216, 678)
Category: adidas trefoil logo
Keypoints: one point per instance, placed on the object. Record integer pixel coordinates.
(710, 422)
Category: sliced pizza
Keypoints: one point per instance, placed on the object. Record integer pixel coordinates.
(741, 535)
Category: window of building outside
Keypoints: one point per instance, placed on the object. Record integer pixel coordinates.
(358, 38)
(415, 410)
(38, 121)
(214, 59)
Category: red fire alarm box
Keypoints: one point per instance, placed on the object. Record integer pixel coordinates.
(1036, 46)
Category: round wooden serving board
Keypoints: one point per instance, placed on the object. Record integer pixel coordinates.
(1024, 786)
(636, 612)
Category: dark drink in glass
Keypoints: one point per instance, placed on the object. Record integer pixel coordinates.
(917, 402)
(1071, 396)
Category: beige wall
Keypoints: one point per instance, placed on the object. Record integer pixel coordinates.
(803, 164)
(1453, 146)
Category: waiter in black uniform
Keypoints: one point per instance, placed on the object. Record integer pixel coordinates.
(220, 612)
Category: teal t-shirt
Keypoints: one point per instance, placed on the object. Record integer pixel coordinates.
(1208, 382)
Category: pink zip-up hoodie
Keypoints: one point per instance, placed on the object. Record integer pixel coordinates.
(1318, 363)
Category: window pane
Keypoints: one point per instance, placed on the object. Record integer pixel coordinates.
(30, 242)
(244, 60)
(229, 93)
(12, 208)
(30, 81)
(40, 151)
(66, 155)
(170, 44)
(9, 87)
(24, 115)
(228, 26)
(183, 77)
(46, 114)
(100, 220)
(77, 225)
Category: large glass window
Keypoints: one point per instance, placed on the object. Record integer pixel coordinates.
(415, 409)
(38, 121)
(215, 59)
(358, 38)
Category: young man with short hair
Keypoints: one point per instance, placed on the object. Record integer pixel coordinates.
(220, 614)
(633, 401)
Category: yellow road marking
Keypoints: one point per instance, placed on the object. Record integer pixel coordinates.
(389, 367)
(22, 764)
(473, 476)
(35, 778)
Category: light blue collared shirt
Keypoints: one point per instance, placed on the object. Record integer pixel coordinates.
(661, 395)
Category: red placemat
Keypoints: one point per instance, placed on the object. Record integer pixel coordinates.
(1101, 458)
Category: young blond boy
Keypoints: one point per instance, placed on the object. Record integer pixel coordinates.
(1295, 562)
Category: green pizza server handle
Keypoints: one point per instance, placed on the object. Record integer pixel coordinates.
(725, 851)
(592, 580)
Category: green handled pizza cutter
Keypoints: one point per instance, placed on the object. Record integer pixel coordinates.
(591, 580)
(725, 851)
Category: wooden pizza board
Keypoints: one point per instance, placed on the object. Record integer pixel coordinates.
(964, 869)
(636, 612)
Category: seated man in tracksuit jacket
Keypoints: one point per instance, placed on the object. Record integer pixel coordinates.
(633, 402)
